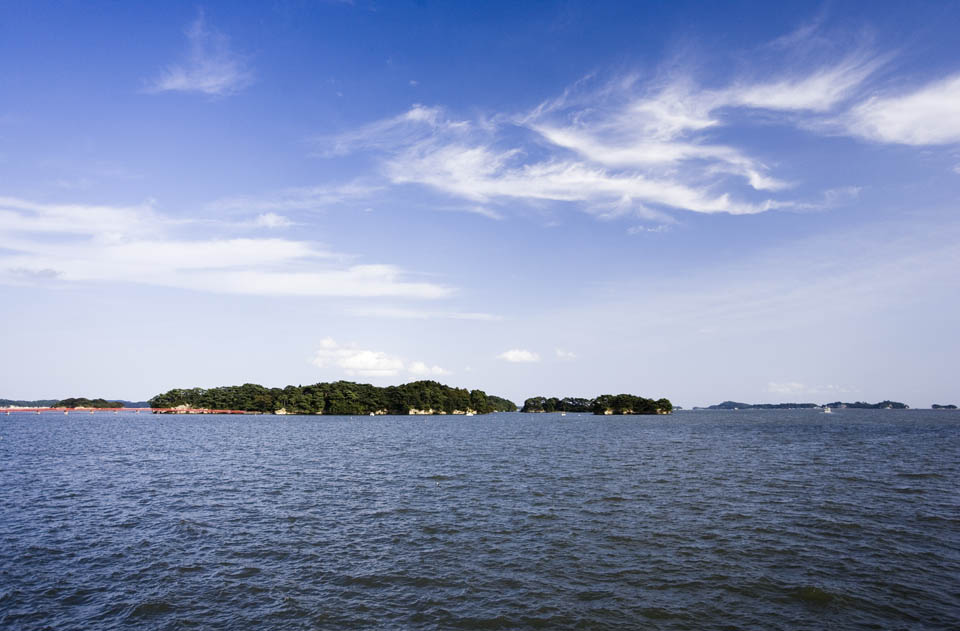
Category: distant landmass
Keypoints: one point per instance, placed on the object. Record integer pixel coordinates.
(603, 404)
(735, 405)
(73, 402)
(861, 405)
(938, 406)
(337, 398)
(39, 403)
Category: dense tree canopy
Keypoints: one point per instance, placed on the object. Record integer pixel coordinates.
(39, 403)
(83, 402)
(340, 397)
(604, 404)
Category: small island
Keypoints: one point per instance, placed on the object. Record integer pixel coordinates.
(939, 406)
(862, 405)
(344, 398)
(859, 405)
(83, 402)
(736, 405)
(605, 404)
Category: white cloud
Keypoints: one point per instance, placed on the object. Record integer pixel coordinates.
(272, 220)
(819, 90)
(637, 148)
(796, 388)
(368, 363)
(646, 229)
(485, 212)
(927, 116)
(21, 215)
(565, 355)
(421, 314)
(481, 173)
(296, 198)
(420, 368)
(416, 124)
(519, 356)
(138, 245)
(790, 387)
(211, 67)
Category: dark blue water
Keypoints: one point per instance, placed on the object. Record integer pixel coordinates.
(739, 520)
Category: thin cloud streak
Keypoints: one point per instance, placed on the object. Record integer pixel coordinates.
(76, 243)
(419, 314)
(619, 148)
(303, 198)
(929, 115)
(210, 67)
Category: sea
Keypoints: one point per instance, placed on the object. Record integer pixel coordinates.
(779, 519)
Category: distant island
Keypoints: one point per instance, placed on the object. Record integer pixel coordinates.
(604, 404)
(861, 405)
(937, 406)
(83, 402)
(73, 402)
(19, 403)
(337, 398)
(736, 405)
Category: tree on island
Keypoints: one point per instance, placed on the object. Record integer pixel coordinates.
(82, 402)
(604, 404)
(337, 398)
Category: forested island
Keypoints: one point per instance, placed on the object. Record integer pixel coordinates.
(938, 406)
(19, 403)
(603, 404)
(735, 405)
(83, 402)
(337, 398)
(73, 402)
(862, 405)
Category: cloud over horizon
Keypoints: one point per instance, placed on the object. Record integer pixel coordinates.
(519, 356)
(356, 361)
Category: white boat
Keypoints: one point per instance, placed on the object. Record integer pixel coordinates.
(828, 410)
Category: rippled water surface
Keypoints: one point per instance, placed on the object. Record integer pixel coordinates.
(747, 520)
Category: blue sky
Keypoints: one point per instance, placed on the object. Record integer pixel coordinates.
(699, 201)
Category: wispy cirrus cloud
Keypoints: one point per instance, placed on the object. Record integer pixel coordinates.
(298, 198)
(620, 147)
(356, 361)
(211, 67)
(136, 244)
(929, 115)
